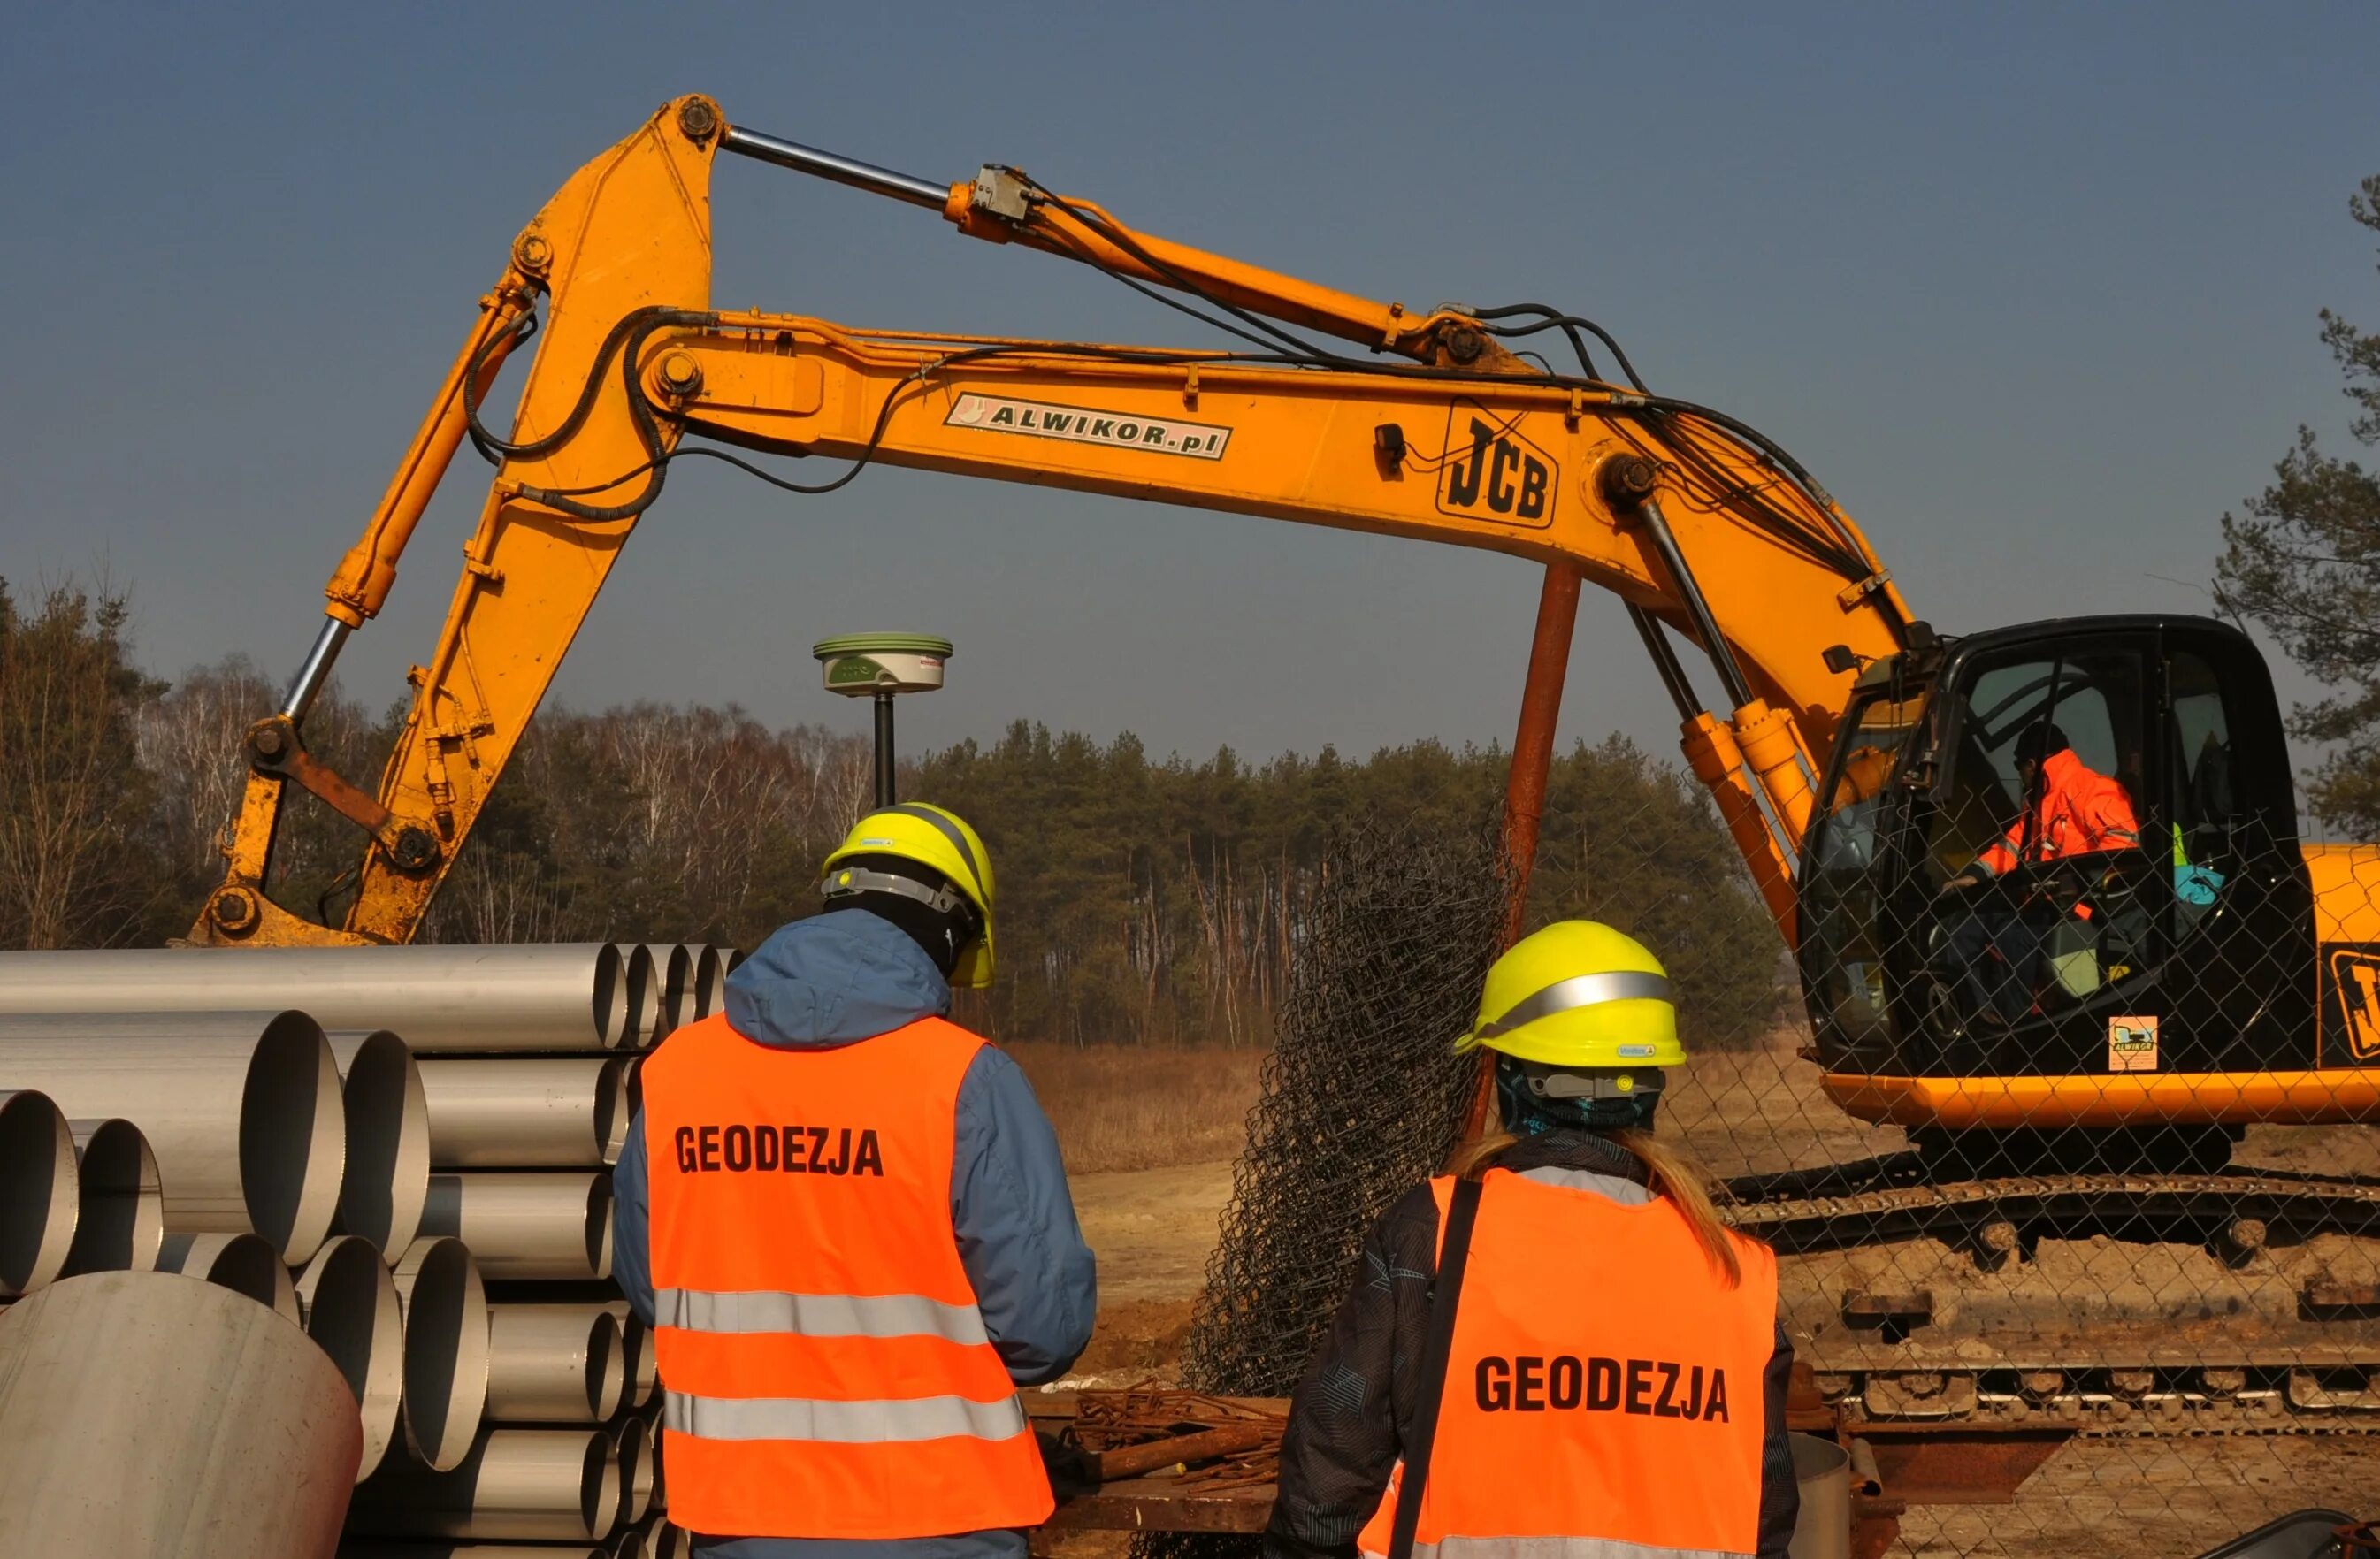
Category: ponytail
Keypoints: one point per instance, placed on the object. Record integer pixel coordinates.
(1669, 1171)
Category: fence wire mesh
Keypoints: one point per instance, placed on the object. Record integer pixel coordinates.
(1363, 1099)
(2067, 1158)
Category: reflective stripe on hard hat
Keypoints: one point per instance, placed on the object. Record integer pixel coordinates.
(1578, 990)
(851, 1423)
(948, 830)
(818, 1316)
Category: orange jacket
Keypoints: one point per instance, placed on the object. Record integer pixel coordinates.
(1603, 1386)
(824, 1367)
(2082, 812)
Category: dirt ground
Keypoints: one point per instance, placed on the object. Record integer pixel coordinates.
(2128, 1498)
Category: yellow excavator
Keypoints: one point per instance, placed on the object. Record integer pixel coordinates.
(2211, 974)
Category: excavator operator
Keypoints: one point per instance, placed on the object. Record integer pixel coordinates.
(1996, 953)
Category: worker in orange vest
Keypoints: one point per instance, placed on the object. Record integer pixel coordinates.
(847, 1221)
(1558, 1349)
(1996, 953)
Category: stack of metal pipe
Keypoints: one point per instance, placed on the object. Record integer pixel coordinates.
(405, 1149)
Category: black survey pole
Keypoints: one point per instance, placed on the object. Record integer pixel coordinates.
(884, 761)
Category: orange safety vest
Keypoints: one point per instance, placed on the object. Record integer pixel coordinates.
(825, 1372)
(1604, 1392)
(2082, 812)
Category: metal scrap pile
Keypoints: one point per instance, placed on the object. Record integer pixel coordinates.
(403, 1150)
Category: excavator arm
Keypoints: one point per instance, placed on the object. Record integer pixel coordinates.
(1437, 433)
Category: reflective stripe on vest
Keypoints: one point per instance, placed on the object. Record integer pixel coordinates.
(1604, 1397)
(1556, 1548)
(818, 1316)
(825, 1368)
(849, 1423)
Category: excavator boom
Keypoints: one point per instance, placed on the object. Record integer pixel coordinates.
(1438, 433)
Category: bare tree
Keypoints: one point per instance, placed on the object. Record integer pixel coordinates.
(78, 849)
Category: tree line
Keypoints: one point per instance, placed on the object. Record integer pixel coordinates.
(1141, 898)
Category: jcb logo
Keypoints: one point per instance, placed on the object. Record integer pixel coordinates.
(2355, 982)
(1492, 472)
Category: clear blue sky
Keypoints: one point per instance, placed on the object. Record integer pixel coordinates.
(2032, 288)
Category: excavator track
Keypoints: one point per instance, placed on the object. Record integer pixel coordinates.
(2242, 1302)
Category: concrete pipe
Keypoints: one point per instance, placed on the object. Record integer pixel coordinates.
(40, 1199)
(669, 1542)
(673, 990)
(445, 1311)
(121, 1221)
(245, 1264)
(553, 1364)
(710, 979)
(551, 1485)
(541, 1225)
(532, 996)
(242, 1109)
(387, 1180)
(516, 1113)
(633, 1443)
(349, 1304)
(375, 1548)
(144, 1416)
(637, 1542)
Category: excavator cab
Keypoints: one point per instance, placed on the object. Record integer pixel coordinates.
(2179, 949)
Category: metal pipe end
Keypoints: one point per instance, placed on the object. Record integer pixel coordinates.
(40, 1199)
(611, 998)
(445, 1313)
(292, 1136)
(709, 980)
(122, 1220)
(637, 989)
(599, 1225)
(599, 1497)
(351, 1311)
(607, 1367)
(245, 1264)
(387, 1180)
(635, 1447)
(672, 981)
(611, 1108)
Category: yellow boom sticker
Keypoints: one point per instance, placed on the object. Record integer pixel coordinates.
(1087, 425)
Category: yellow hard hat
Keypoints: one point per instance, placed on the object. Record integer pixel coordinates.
(932, 836)
(1578, 994)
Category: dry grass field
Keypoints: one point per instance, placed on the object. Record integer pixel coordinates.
(1132, 1106)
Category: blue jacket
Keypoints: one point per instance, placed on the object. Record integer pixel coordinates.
(841, 979)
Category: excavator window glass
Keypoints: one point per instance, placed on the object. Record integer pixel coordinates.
(1846, 875)
(2036, 839)
(2201, 806)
